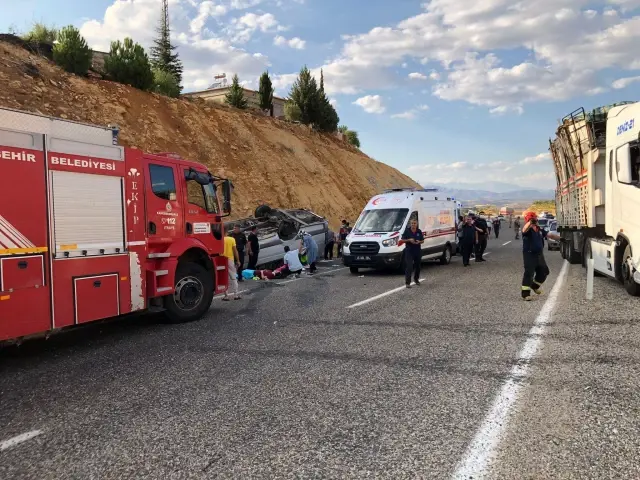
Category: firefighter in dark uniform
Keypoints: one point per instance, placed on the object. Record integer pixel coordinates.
(413, 239)
(535, 266)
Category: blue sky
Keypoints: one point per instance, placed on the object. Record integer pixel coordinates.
(445, 90)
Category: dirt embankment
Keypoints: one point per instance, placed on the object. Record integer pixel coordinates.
(270, 161)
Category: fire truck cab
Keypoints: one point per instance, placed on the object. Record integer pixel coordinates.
(91, 230)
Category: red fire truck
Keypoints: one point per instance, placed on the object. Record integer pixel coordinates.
(91, 230)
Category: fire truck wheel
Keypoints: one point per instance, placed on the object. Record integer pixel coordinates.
(193, 293)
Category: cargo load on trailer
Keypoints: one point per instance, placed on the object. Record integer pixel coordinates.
(375, 239)
(596, 161)
(91, 230)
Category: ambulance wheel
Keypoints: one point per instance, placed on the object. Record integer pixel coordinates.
(353, 270)
(445, 259)
(629, 283)
(193, 294)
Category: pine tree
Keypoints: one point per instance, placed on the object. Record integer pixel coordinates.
(128, 63)
(327, 118)
(163, 56)
(235, 95)
(266, 93)
(304, 93)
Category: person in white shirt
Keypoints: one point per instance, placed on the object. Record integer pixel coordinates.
(292, 261)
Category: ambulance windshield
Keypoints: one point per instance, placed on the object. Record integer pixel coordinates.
(381, 221)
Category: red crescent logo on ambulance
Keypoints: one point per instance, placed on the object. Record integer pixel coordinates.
(378, 200)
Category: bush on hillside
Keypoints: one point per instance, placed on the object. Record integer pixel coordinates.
(292, 112)
(165, 83)
(40, 33)
(71, 52)
(129, 64)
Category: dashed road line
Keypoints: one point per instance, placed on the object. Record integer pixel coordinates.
(382, 295)
(506, 243)
(12, 442)
(481, 452)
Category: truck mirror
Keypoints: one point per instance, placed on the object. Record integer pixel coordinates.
(172, 197)
(226, 196)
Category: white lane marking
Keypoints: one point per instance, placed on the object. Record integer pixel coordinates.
(482, 449)
(506, 243)
(287, 281)
(12, 442)
(376, 297)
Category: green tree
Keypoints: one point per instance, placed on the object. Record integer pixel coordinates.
(292, 111)
(71, 52)
(304, 93)
(129, 64)
(327, 118)
(266, 93)
(163, 53)
(165, 83)
(351, 135)
(235, 96)
(40, 33)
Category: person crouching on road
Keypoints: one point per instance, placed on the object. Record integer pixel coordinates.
(535, 266)
(413, 239)
(292, 262)
(311, 249)
(467, 232)
(233, 264)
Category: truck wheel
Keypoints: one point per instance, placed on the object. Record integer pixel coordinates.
(629, 283)
(445, 259)
(353, 270)
(193, 294)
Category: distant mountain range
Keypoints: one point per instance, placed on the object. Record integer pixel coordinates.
(495, 193)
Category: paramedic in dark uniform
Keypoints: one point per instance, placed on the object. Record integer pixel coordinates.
(483, 233)
(535, 266)
(467, 234)
(413, 239)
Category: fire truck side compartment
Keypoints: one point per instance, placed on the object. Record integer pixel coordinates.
(96, 297)
(25, 304)
(88, 232)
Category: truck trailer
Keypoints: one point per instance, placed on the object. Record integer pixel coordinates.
(596, 162)
(91, 230)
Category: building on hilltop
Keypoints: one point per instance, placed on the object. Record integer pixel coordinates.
(217, 95)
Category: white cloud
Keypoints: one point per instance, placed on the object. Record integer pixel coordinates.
(206, 10)
(294, 42)
(529, 172)
(417, 76)
(625, 82)
(333, 102)
(371, 104)
(408, 115)
(569, 41)
(540, 158)
(202, 54)
(242, 29)
(423, 107)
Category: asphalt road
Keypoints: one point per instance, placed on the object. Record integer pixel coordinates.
(290, 382)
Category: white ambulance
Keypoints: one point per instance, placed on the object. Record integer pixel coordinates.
(373, 242)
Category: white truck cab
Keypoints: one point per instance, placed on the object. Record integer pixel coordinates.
(374, 240)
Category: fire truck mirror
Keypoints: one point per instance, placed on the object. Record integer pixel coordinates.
(226, 197)
(172, 197)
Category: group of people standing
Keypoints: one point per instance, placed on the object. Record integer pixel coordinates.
(337, 238)
(473, 233)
